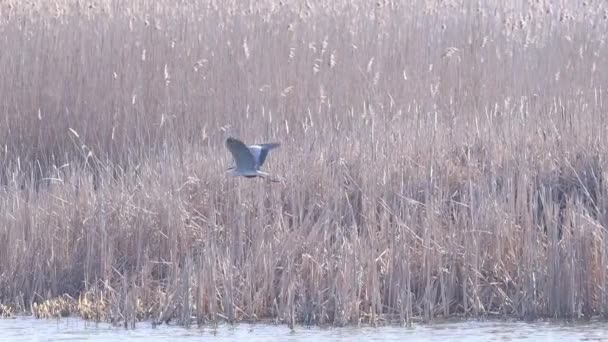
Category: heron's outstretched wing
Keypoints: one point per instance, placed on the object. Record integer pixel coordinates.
(260, 151)
(242, 156)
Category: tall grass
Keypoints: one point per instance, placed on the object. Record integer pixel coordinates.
(441, 158)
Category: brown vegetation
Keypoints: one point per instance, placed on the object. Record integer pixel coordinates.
(441, 158)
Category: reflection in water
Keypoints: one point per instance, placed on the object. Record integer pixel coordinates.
(74, 329)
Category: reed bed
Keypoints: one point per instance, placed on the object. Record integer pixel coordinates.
(442, 158)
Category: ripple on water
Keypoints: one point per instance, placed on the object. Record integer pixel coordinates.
(74, 329)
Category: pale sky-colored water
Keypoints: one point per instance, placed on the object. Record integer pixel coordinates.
(74, 329)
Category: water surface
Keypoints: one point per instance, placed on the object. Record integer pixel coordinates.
(74, 329)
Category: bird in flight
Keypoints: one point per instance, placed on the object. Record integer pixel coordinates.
(248, 158)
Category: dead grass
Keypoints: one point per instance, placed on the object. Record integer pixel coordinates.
(441, 159)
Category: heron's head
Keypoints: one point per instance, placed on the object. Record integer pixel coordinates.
(231, 171)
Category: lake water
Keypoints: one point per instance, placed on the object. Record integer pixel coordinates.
(74, 329)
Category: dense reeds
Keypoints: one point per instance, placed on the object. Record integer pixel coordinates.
(441, 158)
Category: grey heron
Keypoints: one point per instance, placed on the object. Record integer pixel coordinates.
(248, 158)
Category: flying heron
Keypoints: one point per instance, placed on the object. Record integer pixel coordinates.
(248, 158)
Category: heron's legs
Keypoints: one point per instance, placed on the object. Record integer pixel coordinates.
(267, 176)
